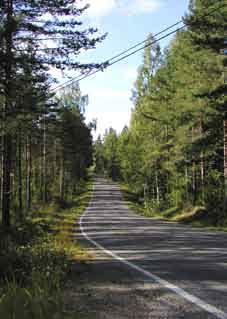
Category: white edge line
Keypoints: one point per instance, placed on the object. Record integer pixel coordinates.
(177, 290)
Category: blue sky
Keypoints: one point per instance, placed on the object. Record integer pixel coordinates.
(126, 22)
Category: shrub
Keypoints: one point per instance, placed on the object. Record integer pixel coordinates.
(40, 301)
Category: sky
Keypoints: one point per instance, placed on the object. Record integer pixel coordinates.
(127, 22)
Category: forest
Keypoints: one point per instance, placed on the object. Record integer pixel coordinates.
(46, 149)
(173, 154)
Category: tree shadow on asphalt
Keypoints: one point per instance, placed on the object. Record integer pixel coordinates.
(105, 289)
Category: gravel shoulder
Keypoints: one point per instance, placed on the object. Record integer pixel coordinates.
(105, 289)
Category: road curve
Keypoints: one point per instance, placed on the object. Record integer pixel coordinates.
(190, 262)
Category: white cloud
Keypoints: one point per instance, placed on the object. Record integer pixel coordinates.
(134, 7)
(111, 107)
(117, 120)
(130, 73)
(108, 93)
(99, 8)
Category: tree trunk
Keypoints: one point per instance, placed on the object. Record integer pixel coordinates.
(41, 172)
(1, 185)
(20, 183)
(6, 187)
(202, 162)
(157, 187)
(194, 190)
(44, 162)
(225, 162)
(62, 180)
(54, 161)
(186, 183)
(29, 171)
(7, 138)
(202, 174)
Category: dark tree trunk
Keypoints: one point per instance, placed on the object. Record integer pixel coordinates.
(62, 180)
(20, 183)
(44, 162)
(7, 138)
(225, 162)
(202, 174)
(1, 185)
(186, 183)
(6, 187)
(194, 182)
(29, 173)
(41, 172)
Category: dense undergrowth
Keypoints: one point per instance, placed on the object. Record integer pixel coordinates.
(198, 216)
(36, 258)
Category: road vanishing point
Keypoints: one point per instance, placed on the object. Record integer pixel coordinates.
(188, 264)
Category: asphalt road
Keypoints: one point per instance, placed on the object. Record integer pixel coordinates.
(188, 262)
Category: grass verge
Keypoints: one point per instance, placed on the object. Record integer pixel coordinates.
(195, 216)
(36, 258)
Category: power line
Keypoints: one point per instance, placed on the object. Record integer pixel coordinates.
(106, 64)
(88, 74)
(147, 45)
(121, 56)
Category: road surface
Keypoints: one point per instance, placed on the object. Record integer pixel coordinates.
(187, 263)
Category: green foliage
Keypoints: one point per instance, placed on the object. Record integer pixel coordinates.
(35, 259)
(172, 154)
(106, 155)
(22, 262)
(46, 143)
(32, 278)
(39, 302)
(99, 156)
(214, 193)
(46, 151)
(74, 140)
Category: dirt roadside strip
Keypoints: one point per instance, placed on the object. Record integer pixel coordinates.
(127, 284)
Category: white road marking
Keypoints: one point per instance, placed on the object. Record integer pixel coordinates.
(179, 291)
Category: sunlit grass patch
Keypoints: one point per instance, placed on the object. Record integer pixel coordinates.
(197, 216)
(63, 223)
(194, 214)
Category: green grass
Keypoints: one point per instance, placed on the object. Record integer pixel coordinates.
(64, 223)
(196, 216)
(36, 259)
